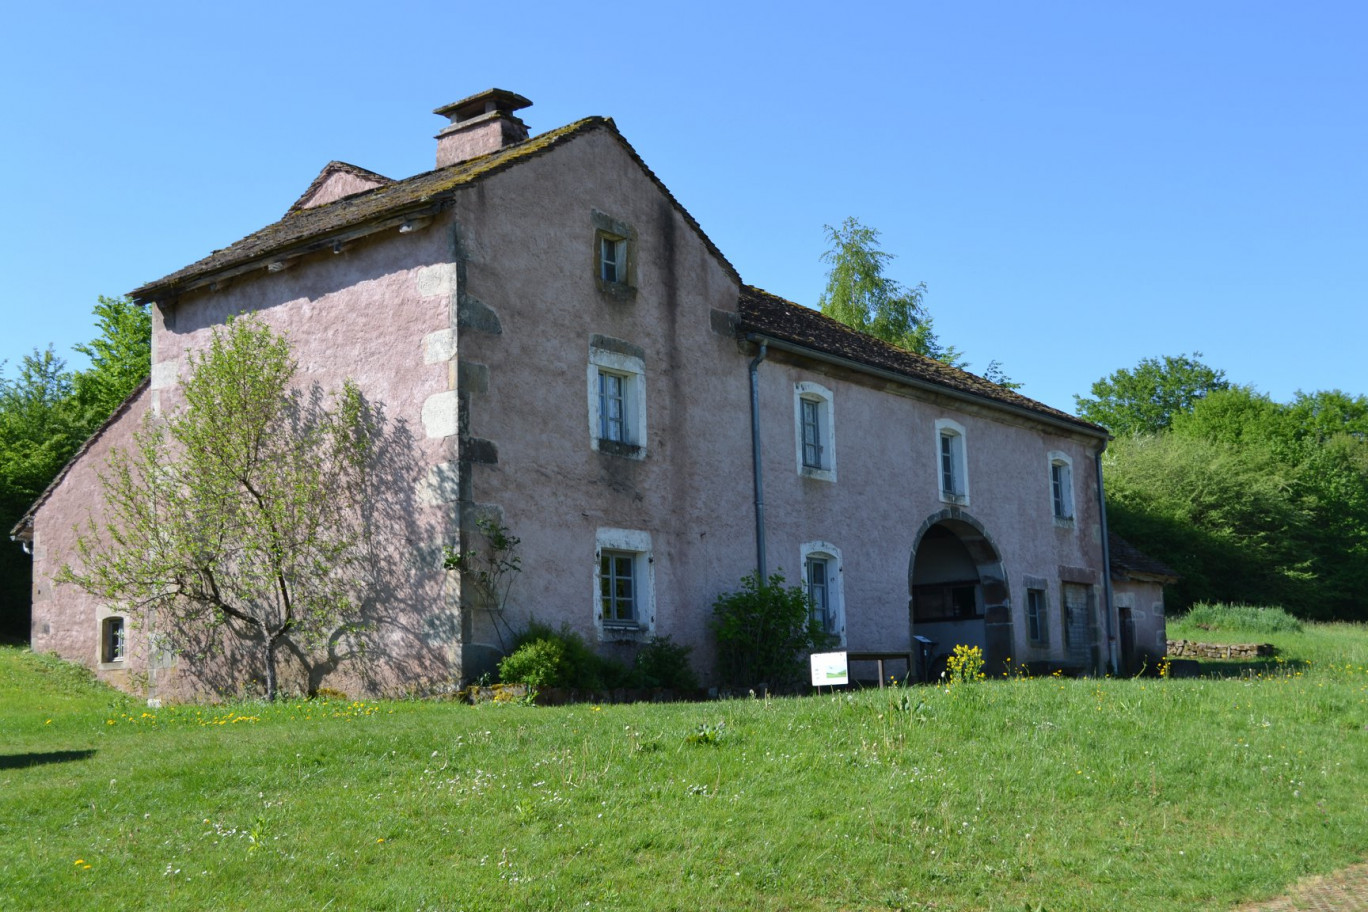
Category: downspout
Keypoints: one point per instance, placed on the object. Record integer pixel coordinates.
(1106, 564)
(760, 569)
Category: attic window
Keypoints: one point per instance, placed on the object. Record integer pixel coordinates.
(614, 256)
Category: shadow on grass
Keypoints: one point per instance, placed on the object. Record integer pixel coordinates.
(1254, 669)
(19, 761)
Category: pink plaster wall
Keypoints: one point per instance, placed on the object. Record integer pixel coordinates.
(361, 314)
(531, 242)
(65, 619)
(887, 487)
(1146, 601)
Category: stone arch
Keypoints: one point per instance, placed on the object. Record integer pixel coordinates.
(992, 596)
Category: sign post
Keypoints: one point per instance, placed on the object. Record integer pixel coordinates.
(829, 669)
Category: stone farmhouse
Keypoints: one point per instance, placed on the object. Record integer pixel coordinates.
(567, 351)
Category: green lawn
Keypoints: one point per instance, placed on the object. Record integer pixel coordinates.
(1087, 795)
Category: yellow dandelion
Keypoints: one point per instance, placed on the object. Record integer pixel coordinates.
(80, 861)
(381, 839)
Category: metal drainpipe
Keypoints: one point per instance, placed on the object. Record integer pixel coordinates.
(1106, 563)
(755, 463)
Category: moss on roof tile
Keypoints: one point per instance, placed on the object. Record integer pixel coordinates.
(305, 225)
(302, 227)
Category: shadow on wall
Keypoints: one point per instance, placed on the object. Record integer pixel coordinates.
(389, 645)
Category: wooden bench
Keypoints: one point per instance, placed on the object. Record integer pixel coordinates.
(881, 657)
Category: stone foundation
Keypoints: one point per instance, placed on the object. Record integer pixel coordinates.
(1189, 649)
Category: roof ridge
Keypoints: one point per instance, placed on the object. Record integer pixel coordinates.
(307, 225)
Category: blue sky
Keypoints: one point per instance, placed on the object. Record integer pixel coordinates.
(1080, 185)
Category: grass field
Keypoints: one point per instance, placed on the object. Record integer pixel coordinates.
(1003, 795)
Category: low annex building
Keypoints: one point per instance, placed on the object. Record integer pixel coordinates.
(570, 353)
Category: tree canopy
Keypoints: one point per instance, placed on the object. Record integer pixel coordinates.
(860, 295)
(46, 413)
(120, 358)
(1145, 398)
(1247, 498)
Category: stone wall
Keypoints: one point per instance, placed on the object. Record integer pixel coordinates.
(1189, 649)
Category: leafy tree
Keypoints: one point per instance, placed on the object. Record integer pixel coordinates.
(1322, 415)
(1227, 519)
(46, 412)
(120, 357)
(1253, 500)
(38, 426)
(1235, 416)
(1145, 399)
(241, 518)
(38, 434)
(859, 295)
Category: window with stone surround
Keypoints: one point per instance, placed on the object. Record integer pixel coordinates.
(814, 430)
(952, 462)
(624, 584)
(1061, 487)
(617, 397)
(614, 256)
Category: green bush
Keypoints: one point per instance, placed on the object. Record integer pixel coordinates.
(664, 664)
(543, 657)
(538, 663)
(764, 631)
(1253, 618)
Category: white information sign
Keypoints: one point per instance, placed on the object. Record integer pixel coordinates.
(829, 669)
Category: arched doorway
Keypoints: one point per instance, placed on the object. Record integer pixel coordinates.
(959, 593)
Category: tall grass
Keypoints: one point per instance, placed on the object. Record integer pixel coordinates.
(1243, 618)
(1067, 794)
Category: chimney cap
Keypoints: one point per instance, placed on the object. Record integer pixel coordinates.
(487, 102)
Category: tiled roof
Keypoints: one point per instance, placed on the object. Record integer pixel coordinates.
(772, 316)
(1127, 561)
(302, 230)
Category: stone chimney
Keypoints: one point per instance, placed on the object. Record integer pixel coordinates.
(480, 124)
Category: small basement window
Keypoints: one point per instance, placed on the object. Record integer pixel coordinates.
(113, 640)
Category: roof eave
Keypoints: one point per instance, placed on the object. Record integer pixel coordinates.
(23, 530)
(158, 291)
(926, 385)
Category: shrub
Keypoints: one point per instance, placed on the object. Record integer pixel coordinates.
(543, 657)
(763, 631)
(538, 663)
(664, 664)
(1251, 618)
